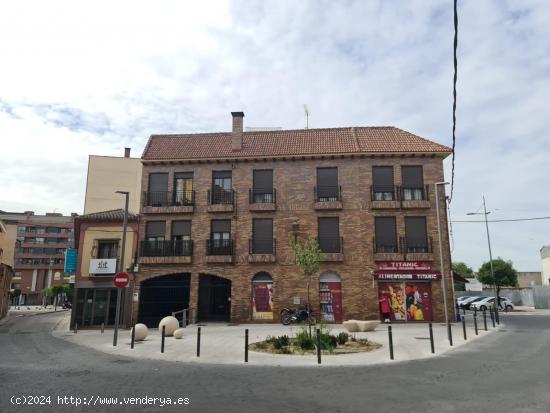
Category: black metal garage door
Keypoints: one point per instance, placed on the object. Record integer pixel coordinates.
(161, 296)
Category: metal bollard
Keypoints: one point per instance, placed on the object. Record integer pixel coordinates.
(133, 336)
(464, 310)
(199, 342)
(102, 328)
(485, 319)
(450, 333)
(246, 345)
(390, 338)
(464, 327)
(432, 339)
(492, 317)
(475, 324)
(162, 340)
(318, 346)
(75, 328)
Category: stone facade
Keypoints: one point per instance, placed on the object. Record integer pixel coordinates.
(294, 180)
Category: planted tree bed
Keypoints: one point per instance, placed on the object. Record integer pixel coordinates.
(302, 344)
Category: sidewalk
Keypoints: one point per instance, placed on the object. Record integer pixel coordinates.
(223, 344)
(35, 309)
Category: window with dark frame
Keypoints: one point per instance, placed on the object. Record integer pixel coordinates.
(158, 190)
(383, 188)
(415, 235)
(153, 246)
(328, 230)
(181, 238)
(222, 189)
(262, 186)
(107, 249)
(412, 183)
(385, 235)
(183, 188)
(220, 237)
(327, 185)
(262, 236)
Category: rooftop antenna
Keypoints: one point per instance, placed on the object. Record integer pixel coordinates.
(307, 115)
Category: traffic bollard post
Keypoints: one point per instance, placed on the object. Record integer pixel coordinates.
(432, 339)
(318, 346)
(485, 319)
(75, 328)
(133, 336)
(475, 324)
(492, 317)
(390, 339)
(162, 339)
(450, 333)
(464, 327)
(199, 342)
(102, 328)
(246, 345)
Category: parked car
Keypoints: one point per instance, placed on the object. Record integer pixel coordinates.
(461, 300)
(482, 305)
(468, 303)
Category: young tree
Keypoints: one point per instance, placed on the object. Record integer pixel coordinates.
(464, 271)
(505, 274)
(308, 256)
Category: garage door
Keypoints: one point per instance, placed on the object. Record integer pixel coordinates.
(160, 296)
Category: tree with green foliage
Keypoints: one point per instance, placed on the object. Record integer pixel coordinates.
(308, 256)
(505, 274)
(464, 271)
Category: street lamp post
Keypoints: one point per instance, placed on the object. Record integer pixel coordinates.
(121, 265)
(441, 261)
(485, 213)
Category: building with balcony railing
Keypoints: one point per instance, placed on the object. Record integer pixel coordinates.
(218, 210)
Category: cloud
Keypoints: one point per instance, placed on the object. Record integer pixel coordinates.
(92, 79)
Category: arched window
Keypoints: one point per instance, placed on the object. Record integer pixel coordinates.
(262, 296)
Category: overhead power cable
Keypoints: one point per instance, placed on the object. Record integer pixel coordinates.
(454, 99)
(509, 220)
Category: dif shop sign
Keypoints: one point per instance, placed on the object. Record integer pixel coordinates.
(103, 266)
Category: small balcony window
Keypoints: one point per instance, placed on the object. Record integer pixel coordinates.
(385, 235)
(383, 188)
(327, 189)
(412, 183)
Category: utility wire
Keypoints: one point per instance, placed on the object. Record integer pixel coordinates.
(509, 220)
(454, 99)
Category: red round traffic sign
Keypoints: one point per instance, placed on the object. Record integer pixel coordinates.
(121, 279)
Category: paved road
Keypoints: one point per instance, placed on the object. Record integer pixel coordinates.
(508, 371)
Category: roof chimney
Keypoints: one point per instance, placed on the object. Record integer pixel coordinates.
(237, 131)
(127, 152)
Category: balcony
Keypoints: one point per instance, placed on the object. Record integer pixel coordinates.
(220, 251)
(168, 202)
(262, 250)
(166, 252)
(415, 198)
(384, 197)
(419, 250)
(387, 251)
(332, 248)
(221, 200)
(260, 200)
(327, 198)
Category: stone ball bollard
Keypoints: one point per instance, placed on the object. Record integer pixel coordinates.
(179, 333)
(170, 323)
(141, 332)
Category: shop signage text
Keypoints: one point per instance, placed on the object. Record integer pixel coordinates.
(403, 265)
(103, 266)
(407, 276)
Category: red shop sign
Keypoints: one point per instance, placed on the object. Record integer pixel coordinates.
(420, 276)
(403, 266)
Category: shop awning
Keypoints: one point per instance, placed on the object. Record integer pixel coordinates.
(457, 279)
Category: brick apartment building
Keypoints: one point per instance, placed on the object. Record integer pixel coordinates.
(218, 208)
(38, 248)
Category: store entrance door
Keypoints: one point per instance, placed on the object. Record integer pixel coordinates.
(214, 298)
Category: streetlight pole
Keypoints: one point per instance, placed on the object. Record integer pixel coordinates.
(121, 265)
(441, 261)
(485, 213)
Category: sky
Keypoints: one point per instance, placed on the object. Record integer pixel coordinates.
(80, 78)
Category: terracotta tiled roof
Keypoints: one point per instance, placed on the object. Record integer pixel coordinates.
(112, 215)
(386, 139)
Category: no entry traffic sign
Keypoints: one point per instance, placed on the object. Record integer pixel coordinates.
(121, 279)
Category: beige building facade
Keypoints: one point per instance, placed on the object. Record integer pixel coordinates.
(108, 174)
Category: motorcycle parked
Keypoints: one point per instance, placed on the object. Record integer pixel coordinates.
(296, 315)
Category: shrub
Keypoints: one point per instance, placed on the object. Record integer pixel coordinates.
(343, 338)
(328, 342)
(279, 342)
(305, 341)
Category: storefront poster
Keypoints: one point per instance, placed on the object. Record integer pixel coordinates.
(262, 302)
(419, 302)
(392, 295)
